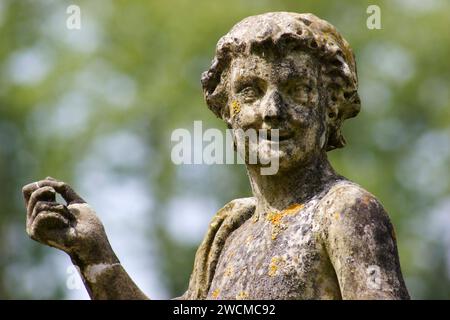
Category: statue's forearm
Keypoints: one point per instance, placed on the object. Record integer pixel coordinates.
(110, 281)
(105, 278)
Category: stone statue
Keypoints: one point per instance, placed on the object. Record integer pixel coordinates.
(307, 232)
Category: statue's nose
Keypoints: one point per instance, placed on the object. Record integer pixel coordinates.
(273, 107)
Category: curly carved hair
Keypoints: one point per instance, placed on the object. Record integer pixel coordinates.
(287, 31)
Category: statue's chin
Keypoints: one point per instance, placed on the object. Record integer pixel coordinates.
(282, 156)
(280, 159)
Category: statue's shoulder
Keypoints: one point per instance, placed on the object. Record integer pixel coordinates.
(347, 201)
(346, 192)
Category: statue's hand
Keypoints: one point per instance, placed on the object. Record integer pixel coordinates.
(73, 228)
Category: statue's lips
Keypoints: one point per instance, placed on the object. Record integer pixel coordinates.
(282, 136)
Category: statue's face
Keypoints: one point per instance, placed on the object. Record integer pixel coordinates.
(278, 93)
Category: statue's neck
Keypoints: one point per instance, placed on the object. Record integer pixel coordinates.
(293, 186)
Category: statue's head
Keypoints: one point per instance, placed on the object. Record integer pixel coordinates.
(287, 71)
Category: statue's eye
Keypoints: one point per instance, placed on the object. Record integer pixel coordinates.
(249, 93)
(300, 92)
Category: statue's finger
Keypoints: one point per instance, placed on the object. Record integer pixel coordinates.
(64, 189)
(41, 194)
(50, 206)
(47, 216)
(49, 224)
(28, 190)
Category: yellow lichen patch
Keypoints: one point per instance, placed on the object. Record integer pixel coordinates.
(293, 209)
(215, 293)
(274, 266)
(276, 230)
(336, 215)
(242, 295)
(275, 218)
(366, 200)
(235, 108)
(228, 271)
(273, 270)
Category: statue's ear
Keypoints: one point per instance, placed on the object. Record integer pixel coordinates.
(332, 112)
(333, 122)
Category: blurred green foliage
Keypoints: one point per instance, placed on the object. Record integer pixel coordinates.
(95, 107)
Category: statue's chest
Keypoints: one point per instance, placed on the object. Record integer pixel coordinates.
(277, 257)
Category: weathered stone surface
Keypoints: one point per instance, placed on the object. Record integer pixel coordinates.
(338, 244)
(307, 232)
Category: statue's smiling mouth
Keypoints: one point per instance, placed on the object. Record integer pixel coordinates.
(283, 135)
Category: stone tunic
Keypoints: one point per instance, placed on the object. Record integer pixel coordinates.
(285, 255)
(276, 256)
